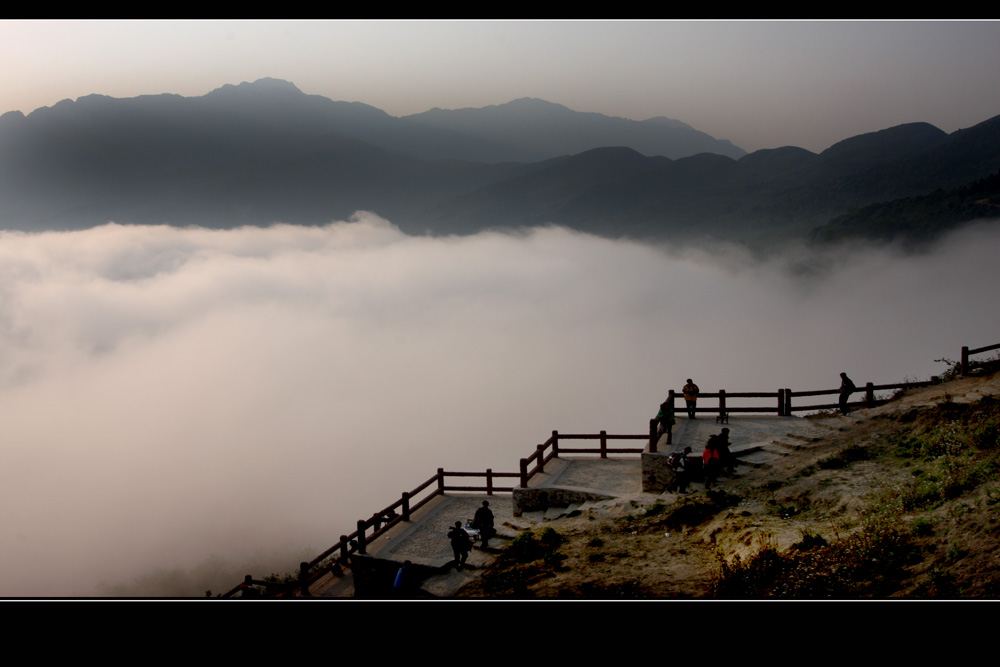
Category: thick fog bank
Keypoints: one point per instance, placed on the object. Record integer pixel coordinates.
(168, 394)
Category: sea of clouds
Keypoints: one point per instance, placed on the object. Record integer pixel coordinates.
(172, 394)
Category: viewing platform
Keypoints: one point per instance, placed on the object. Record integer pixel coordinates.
(562, 477)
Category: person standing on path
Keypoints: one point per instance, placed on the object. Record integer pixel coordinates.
(461, 545)
(483, 522)
(678, 462)
(691, 392)
(846, 388)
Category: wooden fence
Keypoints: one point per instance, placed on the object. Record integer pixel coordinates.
(551, 449)
(441, 482)
(781, 402)
(966, 353)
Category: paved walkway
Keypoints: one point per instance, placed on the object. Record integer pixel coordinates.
(424, 540)
(755, 440)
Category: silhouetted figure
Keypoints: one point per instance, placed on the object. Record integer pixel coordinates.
(664, 418)
(712, 461)
(461, 545)
(483, 522)
(846, 388)
(678, 464)
(691, 392)
(725, 456)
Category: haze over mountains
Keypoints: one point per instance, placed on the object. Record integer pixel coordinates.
(170, 392)
(265, 152)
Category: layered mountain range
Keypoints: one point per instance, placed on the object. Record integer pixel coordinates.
(265, 152)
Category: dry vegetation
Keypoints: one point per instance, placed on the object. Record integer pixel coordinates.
(902, 501)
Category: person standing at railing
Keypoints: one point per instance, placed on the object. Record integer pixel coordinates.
(846, 388)
(691, 392)
(665, 417)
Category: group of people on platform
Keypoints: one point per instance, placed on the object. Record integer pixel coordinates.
(461, 542)
(715, 460)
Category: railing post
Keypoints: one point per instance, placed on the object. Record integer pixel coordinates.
(869, 395)
(781, 403)
(440, 477)
(489, 481)
(361, 537)
(406, 505)
(722, 402)
(524, 473)
(304, 580)
(965, 360)
(604, 444)
(653, 435)
(540, 450)
(788, 402)
(555, 444)
(344, 544)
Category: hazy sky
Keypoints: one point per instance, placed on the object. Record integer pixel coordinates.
(171, 394)
(758, 84)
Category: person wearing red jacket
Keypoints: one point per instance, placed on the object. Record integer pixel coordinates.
(711, 460)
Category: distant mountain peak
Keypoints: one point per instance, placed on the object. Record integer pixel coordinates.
(266, 85)
(534, 103)
(536, 129)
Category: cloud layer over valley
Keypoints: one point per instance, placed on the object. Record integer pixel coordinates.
(172, 393)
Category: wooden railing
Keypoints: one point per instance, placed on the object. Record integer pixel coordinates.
(966, 353)
(551, 449)
(409, 502)
(782, 402)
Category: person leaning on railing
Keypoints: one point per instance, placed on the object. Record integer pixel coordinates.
(691, 392)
